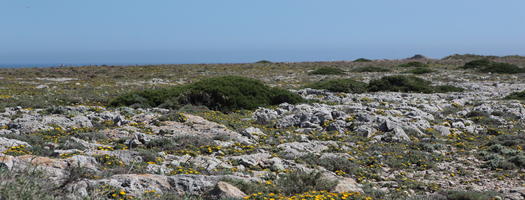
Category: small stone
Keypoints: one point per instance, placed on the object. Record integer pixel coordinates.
(347, 185)
(225, 190)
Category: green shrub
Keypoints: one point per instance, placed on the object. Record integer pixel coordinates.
(502, 68)
(371, 69)
(486, 66)
(27, 183)
(420, 70)
(299, 182)
(327, 71)
(475, 64)
(413, 64)
(362, 60)
(264, 62)
(517, 95)
(401, 83)
(518, 160)
(340, 85)
(225, 93)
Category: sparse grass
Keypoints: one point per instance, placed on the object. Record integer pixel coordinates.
(340, 85)
(327, 71)
(371, 69)
(27, 183)
(469, 195)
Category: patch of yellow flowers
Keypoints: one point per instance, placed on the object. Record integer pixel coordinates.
(17, 150)
(312, 195)
(182, 170)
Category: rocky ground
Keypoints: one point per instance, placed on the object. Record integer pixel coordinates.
(383, 145)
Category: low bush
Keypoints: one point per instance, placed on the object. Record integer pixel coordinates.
(299, 182)
(371, 69)
(401, 83)
(502, 68)
(420, 70)
(413, 64)
(225, 94)
(264, 62)
(340, 85)
(327, 71)
(517, 95)
(487, 66)
(27, 183)
(362, 60)
(475, 64)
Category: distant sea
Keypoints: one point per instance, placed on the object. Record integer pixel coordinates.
(76, 65)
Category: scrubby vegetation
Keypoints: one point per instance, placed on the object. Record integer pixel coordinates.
(226, 93)
(486, 66)
(264, 62)
(362, 60)
(517, 95)
(413, 64)
(408, 84)
(396, 83)
(420, 70)
(340, 85)
(396, 146)
(371, 69)
(327, 71)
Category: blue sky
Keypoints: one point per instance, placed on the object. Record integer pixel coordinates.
(209, 31)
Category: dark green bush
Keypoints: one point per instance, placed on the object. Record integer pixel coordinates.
(226, 93)
(517, 95)
(420, 70)
(518, 160)
(486, 66)
(340, 85)
(413, 64)
(401, 83)
(362, 60)
(327, 71)
(264, 62)
(371, 69)
(502, 68)
(475, 64)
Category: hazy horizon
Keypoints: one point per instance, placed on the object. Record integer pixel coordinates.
(54, 32)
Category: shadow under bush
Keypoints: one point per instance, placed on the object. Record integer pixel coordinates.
(225, 93)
